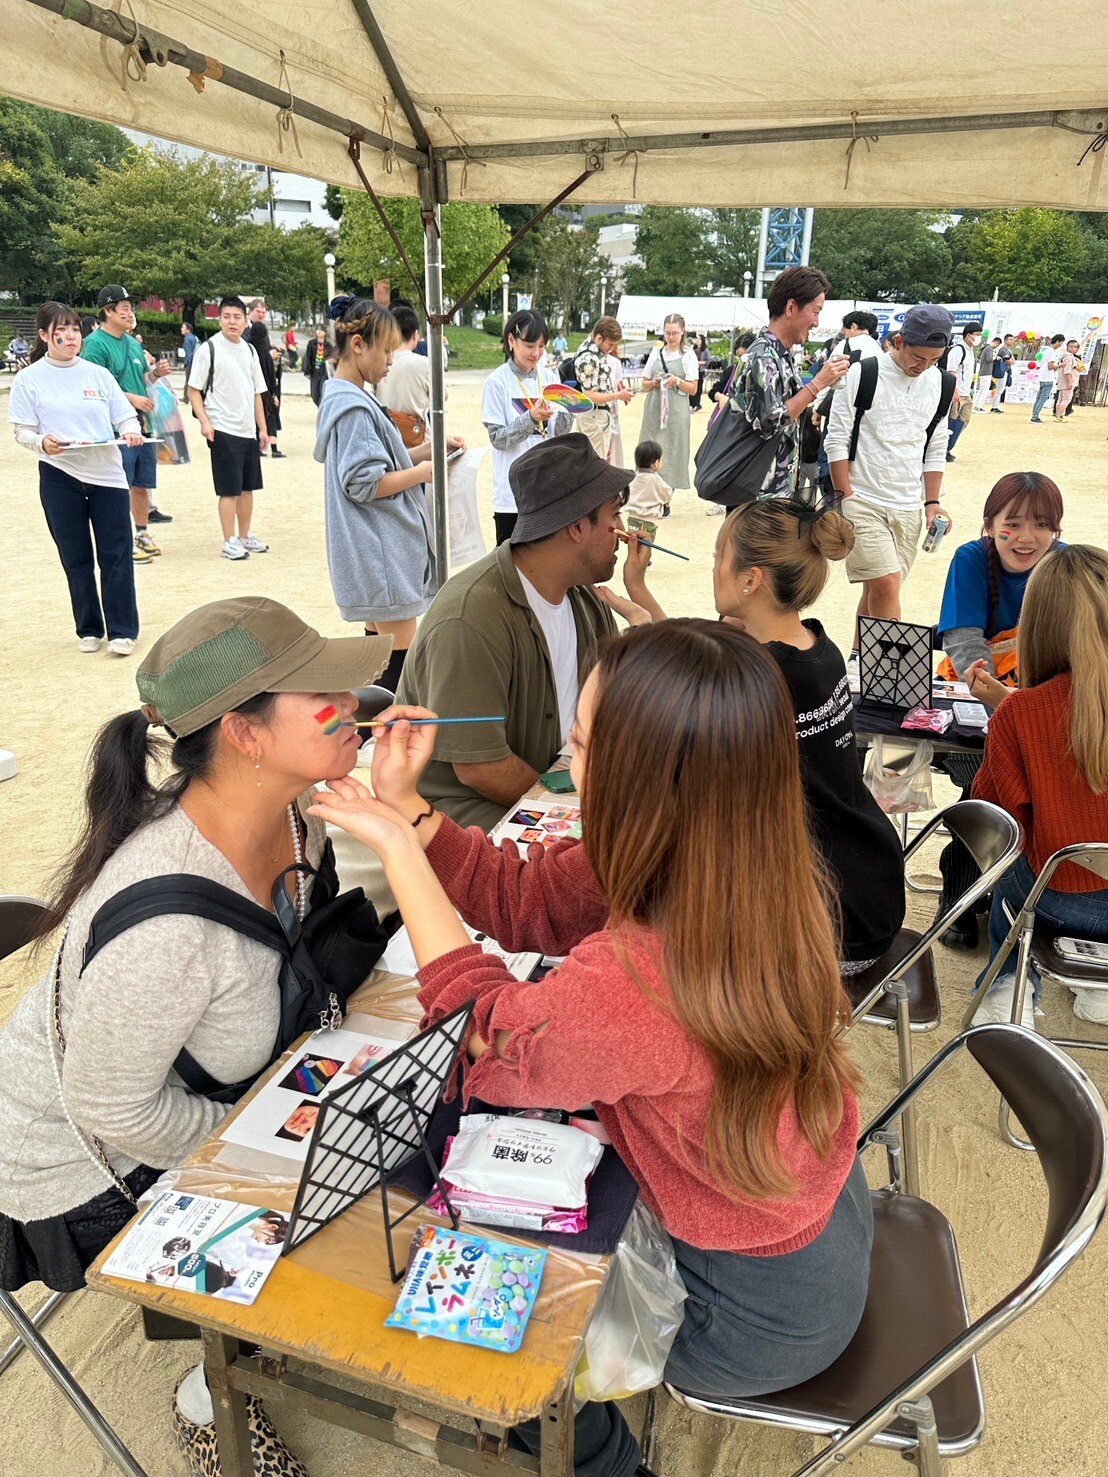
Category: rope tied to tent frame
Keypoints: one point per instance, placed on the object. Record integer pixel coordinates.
(286, 116)
(391, 158)
(467, 160)
(132, 62)
(629, 153)
(857, 138)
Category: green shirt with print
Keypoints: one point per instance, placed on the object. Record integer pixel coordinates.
(123, 358)
(480, 649)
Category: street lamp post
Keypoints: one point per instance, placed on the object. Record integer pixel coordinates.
(329, 263)
(603, 294)
(748, 276)
(504, 280)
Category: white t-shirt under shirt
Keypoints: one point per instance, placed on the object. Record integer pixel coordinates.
(75, 402)
(229, 404)
(683, 364)
(560, 630)
(888, 470)
(504, 385)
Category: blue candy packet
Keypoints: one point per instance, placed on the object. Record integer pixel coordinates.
(468, 1289)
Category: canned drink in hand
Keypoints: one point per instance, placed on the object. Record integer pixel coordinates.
(935, 534)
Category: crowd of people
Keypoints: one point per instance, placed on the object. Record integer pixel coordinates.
(709, 1039)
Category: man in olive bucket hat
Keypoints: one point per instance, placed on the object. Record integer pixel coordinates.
(517, 633)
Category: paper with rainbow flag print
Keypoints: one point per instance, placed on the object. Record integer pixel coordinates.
(560, 397)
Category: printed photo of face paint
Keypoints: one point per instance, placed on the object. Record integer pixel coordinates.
(328, 719)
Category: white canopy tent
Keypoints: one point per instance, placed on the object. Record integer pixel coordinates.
(866, 102)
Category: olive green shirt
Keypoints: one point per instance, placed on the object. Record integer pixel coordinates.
(479, 649)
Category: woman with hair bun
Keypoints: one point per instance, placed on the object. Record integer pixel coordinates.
(379, 538)
(772, 563)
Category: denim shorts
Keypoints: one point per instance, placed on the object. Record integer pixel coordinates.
(140, 465)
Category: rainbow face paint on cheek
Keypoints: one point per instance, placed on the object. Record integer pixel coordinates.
(328, 719)
(1003, 535)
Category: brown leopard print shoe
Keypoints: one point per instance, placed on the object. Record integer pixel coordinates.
(272, 1457)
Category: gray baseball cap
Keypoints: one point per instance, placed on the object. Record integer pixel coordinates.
(927, 326)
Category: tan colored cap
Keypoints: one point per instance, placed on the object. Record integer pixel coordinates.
(232, 650)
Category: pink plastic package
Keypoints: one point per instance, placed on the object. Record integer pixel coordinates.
(929, 720)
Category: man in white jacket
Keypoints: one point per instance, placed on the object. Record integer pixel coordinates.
(891, 485)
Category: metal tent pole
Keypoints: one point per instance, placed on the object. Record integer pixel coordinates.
(430, 201)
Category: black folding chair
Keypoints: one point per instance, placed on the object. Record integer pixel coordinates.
(909, 1378)
(18, 919)
(900, 991)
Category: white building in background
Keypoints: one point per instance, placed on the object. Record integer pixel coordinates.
(296, 201)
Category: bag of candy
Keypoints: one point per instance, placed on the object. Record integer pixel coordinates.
(468, 1289)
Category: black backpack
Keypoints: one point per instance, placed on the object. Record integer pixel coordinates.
(567, 371)
(863, 399)
(324, 958)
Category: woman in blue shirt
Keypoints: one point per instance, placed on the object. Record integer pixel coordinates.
(977, 622)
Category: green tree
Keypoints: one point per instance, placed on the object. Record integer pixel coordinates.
(732, 241)
(39, 149)
(1031, 255)
(674, 251)
(471, 237)
(570, 265)
(179, 228)
(882, 255)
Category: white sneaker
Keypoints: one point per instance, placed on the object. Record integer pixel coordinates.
(233, 549)
(1091, 1005)
(89, 644)
(253, 545)
(121, 646)
(715, 510)
(996, 1008)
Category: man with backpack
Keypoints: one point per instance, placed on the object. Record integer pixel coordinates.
(963, 367)
(886, 445)
(225, 389)
(593, 376)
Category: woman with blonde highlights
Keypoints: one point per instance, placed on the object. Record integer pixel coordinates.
(704, 1036)
(772, 563)
(1046, 761)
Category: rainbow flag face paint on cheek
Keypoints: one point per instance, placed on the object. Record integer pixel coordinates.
(328, 719)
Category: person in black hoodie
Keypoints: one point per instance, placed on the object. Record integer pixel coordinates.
(771, 563)
(258, 334)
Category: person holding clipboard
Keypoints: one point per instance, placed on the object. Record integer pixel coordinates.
(68, 412)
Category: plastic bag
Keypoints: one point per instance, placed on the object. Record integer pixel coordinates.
(899, 775)
(640, 1311)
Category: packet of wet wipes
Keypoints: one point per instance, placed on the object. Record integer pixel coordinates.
(524, 1159)
(468, 1289)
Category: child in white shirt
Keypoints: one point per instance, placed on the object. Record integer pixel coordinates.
(649, 493)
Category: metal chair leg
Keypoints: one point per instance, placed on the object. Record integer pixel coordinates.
(38, 1318)
(899, 990)
(921, 1413)
(1023, 963)
(69, 1387)
(646, 1440)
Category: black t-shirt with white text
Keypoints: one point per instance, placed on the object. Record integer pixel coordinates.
(853, 834)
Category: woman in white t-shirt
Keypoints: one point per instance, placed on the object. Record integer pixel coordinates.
(512, 428)
(670, 378)
(68, 412)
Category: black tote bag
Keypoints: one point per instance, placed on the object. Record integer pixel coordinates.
(734, 460)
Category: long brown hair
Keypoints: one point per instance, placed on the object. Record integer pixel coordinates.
(1064, 628)
(693, 821)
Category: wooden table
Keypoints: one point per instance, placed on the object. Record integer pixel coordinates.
(325, 1306)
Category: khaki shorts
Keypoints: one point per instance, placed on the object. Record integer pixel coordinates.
(885, 540)
(597, 426)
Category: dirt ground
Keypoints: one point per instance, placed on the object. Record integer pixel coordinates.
(1045, 1411)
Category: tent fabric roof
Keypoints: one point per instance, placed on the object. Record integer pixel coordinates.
(485, 76)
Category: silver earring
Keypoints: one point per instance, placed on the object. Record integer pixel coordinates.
(258, 769)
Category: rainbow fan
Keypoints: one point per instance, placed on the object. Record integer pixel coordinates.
(565, 397)
(328, 719)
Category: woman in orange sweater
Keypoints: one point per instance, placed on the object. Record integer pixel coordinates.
(704, 1036)
(1046, 759)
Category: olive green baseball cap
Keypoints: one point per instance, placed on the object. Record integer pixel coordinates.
(232, 650)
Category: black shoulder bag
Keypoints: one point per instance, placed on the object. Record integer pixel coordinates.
(323, 959)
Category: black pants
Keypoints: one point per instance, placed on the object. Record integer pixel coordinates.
(695, 399)
(76, 514)
(505, 526)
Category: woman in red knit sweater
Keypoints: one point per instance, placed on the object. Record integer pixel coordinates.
(704, 1036)
(1046, 760)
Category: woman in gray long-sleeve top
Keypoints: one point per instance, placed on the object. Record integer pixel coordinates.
(379, 540)
(92, 1098)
